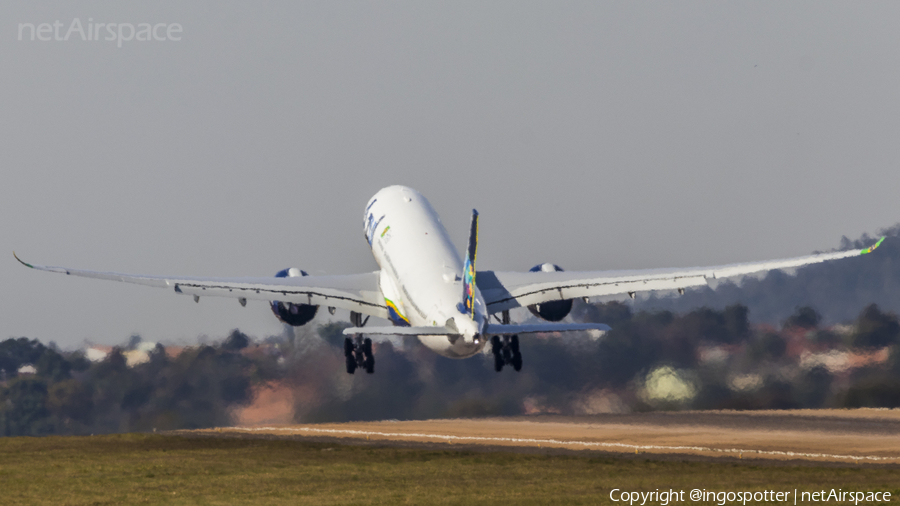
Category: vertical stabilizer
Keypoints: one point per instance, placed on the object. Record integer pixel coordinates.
(468, 302)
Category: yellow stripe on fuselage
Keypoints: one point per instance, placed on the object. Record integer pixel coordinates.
(393, 306)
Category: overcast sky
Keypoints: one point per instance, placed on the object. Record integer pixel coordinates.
(596, 135)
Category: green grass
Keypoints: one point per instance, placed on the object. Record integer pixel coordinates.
(166, 469)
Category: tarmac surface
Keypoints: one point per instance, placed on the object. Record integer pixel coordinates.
(862, 436)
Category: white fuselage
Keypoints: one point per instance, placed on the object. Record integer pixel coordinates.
(421, 271)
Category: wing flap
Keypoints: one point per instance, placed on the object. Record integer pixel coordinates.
(527, 294)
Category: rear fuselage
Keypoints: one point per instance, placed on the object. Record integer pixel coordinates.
(421, 270)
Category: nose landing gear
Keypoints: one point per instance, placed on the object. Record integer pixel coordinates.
(506, 352)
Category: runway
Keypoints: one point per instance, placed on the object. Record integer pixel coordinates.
(848, 436)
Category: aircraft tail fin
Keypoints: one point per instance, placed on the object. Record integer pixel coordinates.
(468, 298)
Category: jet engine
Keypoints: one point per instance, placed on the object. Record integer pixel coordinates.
(288, 312)
(554, 310)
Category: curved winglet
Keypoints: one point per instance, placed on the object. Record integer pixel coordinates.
(867, 250)
(21, 262)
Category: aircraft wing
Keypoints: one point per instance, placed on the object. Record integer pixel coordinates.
(355, 292)
(506, 290)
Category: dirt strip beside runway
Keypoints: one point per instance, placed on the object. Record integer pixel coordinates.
(869, 436)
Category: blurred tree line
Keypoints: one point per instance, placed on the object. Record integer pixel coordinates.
(70, 395)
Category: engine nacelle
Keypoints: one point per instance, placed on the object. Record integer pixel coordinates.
(288, 312)
(554, 310)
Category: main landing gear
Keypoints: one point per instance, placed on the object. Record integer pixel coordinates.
(358, 351)
(359, 354)
(506, 348)
(506, 352)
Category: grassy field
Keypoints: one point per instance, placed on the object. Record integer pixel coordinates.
(167, 469)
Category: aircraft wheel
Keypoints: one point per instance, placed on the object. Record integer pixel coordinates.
(517, 362)
(514, 344)
(498, 362)
(495, 345)
(367, 346)
(370, 364)
(351, 364)
(348, 347)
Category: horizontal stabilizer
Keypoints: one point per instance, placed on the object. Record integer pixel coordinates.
(401, 331)
(498, 329)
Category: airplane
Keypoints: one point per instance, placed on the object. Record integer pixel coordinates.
(425, 289)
